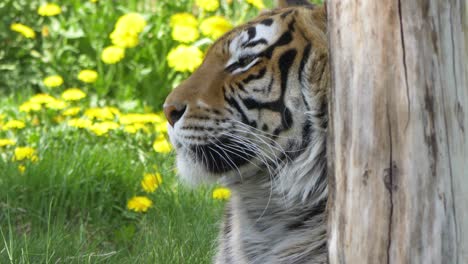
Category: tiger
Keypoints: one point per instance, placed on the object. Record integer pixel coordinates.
(253, 118)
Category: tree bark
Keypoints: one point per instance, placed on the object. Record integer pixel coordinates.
(398, 131)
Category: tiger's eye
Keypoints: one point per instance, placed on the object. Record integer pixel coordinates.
(244, 61)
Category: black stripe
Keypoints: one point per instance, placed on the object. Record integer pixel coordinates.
(252, 77)
(267, 22)
(252, 32)
(232, 102)
(255, 43)
(305, 58)
(240, 87)
(285, 63)
(285, 39)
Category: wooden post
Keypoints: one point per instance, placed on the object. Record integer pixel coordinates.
(398, 138)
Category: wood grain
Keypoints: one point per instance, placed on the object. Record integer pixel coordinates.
(398, 137)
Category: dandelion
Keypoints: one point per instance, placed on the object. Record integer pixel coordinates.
(215, 26)
(21, 168)
(103, 113)
(183, 19)
(184, 34)
(30, 107)
(73, 94)
(73, 111)
(139, 118)
(25, 153)
(207, 5)
(45, 31)
(112, 54)
(24, 30)
(131, 22)
(221, 193)
(49, 9)
(124, 38)
(151, 182)
(257, 3)
(134, 128)
(79, 123)
(161, 145)
(87, 76)
(56, 104)
(102, 128)
(14, 124)
(185, 58)
(42, 99)
(4, 142)
(53, 81)
(139, 204)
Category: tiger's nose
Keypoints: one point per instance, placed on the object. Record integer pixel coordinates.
(174, 113)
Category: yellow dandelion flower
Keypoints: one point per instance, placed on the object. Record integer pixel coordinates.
(102, 113)
(24, 30)
(185, 58)
(112, 54)
(14, 124)
(21, 168)
(139, 203)
(133, 118)
(257, 3)
(207, 5)
(183, 19)
(79, 123)
(53, 81)
(24, 153)
(42, 99)
(185, 34)
(73, 111)
(161, 145)
(87, 76)
(30, 107)
(45, 31)
(134, 128)
(4, 142)
(73, 94)
(131, 22)
(93, 1)
(103, 127)
(221, 193)
(151, 182)
(56, 104)
(124, 38)
(49, 9)
(215, 26)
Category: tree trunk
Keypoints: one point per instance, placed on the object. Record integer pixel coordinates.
(398, 137)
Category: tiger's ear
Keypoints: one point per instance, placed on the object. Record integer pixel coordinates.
(289, 3)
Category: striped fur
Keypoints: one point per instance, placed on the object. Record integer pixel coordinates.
(254, 119)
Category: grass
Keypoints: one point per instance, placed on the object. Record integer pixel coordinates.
(69, 207)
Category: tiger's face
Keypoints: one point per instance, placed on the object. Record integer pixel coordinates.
(250, 106)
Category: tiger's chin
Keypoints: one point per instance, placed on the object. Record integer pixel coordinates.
(205, 164)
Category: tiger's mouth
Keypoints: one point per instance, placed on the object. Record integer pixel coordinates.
(221, 155)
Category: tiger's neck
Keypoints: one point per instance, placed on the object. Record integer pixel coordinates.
(268, 224)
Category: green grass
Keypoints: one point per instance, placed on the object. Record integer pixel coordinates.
(70, 206)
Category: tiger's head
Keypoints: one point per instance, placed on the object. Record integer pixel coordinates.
(257, 102)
